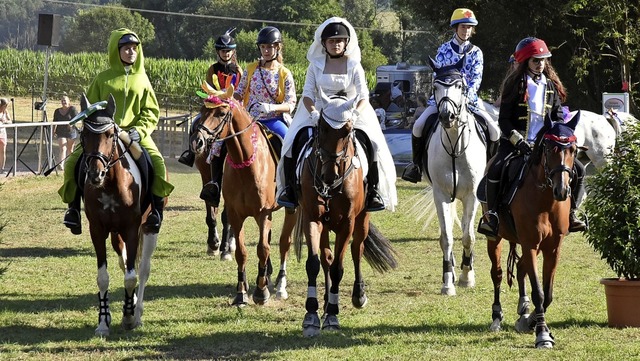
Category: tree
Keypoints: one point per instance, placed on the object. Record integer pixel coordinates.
(89, 30)
(607, 36)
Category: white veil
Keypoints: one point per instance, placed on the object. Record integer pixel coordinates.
(317, 55)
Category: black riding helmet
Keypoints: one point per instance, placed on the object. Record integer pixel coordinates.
(335, 31)
(127, 39)
(269, 35)
(226, 41)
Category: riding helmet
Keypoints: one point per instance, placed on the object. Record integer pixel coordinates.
(531, 47)
(269, 35)
(463, 16)
(225, 41)
(335, 30)
(128, 39)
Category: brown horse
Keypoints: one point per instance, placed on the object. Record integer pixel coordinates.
(248, 187)
(116, 203)
(332, 198)
(538, 220)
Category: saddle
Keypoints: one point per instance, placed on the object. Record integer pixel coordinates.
(274, 140)
(144, 165)
(481, 128)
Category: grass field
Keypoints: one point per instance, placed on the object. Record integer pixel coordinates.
(48, 303)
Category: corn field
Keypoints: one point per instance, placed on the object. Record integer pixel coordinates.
(175, 81)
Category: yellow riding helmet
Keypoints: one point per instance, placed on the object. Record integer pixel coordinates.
(463, 16)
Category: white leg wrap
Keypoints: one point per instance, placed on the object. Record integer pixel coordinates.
(312, 292)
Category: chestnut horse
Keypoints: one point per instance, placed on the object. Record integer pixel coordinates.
(116, 203)
(332, 198)
(248, 187)
(538, 220)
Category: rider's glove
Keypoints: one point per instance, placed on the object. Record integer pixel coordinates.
(315, 115)
(518, 141)
(134, 135)
(355, 115)
(266, 108)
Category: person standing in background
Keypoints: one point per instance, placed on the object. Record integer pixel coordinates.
(5, 118)
(66, 134)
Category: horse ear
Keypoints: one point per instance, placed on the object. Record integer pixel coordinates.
(111, 105)
(432, 64)
(84, 102)
(574, 121)
(460, 62)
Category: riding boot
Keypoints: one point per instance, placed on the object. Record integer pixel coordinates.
(187, 158)
(577, 191)
(211, 191)
(489, 221)
(154, 219)
(413, 172)
(374, 199)
(72, 215)
(287, 197)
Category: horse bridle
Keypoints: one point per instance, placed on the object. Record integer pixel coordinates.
(339, 159)
(560, 168)
(107, 162)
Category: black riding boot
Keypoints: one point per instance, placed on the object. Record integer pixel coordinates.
(489, 221)
(413, 172)
(154, 220)
(374, 200)
(72, 215)
(577, 190)
(187, 158)
(211, 191)
(287, 197)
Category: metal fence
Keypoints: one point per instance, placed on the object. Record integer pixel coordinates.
(32, 148)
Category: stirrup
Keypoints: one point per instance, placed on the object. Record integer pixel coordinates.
(375, 202)
(72, 221)
(575, 224)
(412, 173)
(486, 226)
(187, 158)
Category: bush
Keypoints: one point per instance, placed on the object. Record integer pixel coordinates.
(613, 207)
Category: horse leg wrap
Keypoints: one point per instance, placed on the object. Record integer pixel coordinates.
(311, 304)
(104, 309)
(129, 304)
(243, 286)
(467, 261)
(447, 266)
(313, 269)
(332, 306)
(496, 312)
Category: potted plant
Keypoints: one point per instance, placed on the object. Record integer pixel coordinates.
(613, 211)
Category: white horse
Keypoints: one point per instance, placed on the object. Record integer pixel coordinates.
(596, 132)
(456, 161)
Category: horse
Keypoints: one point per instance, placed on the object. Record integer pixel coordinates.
(332, 199)
(248, 188)
(116, 203)
(537, 219)
(455, 160)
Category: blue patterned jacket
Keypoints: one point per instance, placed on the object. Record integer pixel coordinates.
(449, 53)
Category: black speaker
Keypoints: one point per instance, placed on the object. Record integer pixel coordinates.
(49, 29)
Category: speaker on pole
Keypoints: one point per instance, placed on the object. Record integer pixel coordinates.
(49, 29)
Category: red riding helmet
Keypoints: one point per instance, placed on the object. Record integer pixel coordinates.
(531, 48)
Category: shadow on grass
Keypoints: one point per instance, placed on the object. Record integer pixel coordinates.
(41, 252)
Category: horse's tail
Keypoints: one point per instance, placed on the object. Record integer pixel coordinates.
(378, 251)
(298, 237)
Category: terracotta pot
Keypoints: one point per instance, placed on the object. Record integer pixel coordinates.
(623, 298)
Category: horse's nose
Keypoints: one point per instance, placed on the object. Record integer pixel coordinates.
(561, 193)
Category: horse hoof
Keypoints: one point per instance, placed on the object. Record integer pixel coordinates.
(212, 251)
(467, 279)
(241, 300)
(311, 325)
(102, 332)
(331, 323)
(359, 302)
(544, 340)
(282, 294)
(522, 324)
(448, 290)
(261, 296)
(495, 326)
(226, 256)
(448, 284)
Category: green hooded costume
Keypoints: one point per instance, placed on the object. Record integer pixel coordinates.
(136, 107)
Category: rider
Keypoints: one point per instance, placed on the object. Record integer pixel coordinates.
(137, 112)
(531, 92)
(221, 74)
(463, 22)
(334, 58)
(267, 89)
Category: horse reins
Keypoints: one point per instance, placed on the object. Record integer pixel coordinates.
(107, 162)
(560, 168)
(462, 126)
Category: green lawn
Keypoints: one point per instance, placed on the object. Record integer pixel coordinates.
(48, 302)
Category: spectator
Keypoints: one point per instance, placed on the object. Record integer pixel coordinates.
(65, 133)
